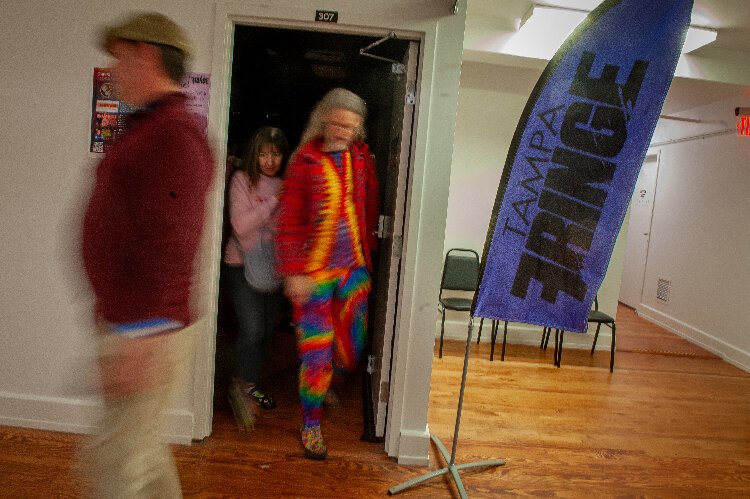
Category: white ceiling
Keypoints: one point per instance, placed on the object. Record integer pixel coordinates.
(730, 17)
(712, 73)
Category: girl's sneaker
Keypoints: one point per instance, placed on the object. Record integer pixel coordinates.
(252, 393)
(264, 401)
(312, 441)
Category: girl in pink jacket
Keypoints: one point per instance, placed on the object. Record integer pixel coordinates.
(253, 201)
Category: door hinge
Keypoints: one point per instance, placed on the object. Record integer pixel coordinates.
(385, 226)
(411, 93)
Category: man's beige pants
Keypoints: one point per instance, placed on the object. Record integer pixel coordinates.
(128, 458)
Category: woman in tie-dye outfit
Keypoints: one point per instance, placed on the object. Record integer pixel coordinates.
(329, 210)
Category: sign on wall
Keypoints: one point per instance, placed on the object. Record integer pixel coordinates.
(743, 126)
(108, 113)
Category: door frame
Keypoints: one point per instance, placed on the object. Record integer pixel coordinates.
(221, 95)
(392, 234)
(440, 30)
(642, 265)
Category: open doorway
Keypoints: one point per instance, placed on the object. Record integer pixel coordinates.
(278, 74)
(639, 233)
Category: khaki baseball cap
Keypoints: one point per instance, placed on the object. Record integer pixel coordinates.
(148, 27)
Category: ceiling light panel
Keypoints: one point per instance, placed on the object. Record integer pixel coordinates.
(545, 28)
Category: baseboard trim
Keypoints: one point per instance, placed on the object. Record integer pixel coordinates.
(414, 447)
(729, 353)
(77, 415)
(523, 334)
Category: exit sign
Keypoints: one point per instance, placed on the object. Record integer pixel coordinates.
(743, 126)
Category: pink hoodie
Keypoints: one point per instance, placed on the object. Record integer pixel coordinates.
(250, 209)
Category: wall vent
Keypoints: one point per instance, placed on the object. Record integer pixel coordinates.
(662, 290)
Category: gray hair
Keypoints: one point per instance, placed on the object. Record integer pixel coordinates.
(338, 98)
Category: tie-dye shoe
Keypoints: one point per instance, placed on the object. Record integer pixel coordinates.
(312, 441)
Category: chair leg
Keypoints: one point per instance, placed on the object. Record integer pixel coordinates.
(596, 336)
(505, 337)
(558, 348)
(493, 339)
(479, 334)
(442, 331)
(557, 344)
(544, 335)
(612, 352)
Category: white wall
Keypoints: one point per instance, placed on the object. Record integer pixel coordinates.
(700, 236)
(491, 100)
(48, 53)
(489, 107)
(495, 86)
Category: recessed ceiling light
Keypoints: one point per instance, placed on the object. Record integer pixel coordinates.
(545, 28)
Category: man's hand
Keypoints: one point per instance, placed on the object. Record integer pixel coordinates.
(132, 365)
(298, 288)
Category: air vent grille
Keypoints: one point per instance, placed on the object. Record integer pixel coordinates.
(662, 290)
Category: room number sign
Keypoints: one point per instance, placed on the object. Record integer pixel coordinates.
(327, 16)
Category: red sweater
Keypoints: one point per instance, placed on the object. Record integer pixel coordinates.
(304, 202)
(145, 217)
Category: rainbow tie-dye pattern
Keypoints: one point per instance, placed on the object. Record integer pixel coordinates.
(331, 332)
(337, 204)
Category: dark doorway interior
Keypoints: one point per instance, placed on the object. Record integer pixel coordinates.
(279, 74)
(277, 77)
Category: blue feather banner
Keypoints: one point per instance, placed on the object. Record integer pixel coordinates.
(574, 161)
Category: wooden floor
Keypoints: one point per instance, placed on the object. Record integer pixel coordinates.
(671, 421)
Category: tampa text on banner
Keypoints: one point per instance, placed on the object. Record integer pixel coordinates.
(573, 163)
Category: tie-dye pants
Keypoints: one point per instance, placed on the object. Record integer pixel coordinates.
(331, 330)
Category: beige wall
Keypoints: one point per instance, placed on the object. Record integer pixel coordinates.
(491, 100)
(699, 236)
(48, 54)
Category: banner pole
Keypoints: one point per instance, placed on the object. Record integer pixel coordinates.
(452, 468)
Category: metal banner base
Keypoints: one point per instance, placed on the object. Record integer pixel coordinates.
(452, 468)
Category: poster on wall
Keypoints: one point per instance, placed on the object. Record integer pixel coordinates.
(107, 121)
(196, 86)
(108, 114)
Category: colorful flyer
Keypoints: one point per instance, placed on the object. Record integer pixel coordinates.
(108, 116)
(105, 120)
